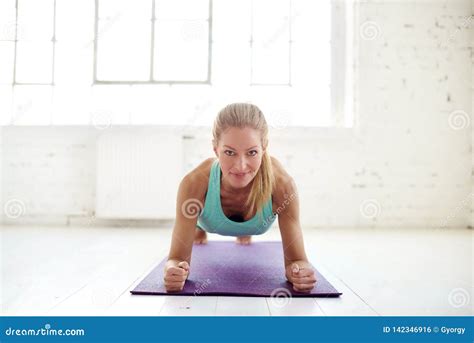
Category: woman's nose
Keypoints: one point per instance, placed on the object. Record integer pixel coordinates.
(241, 164)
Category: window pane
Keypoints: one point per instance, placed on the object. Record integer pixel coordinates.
(270, 64)
(34, 62)
(35, 19)
(75, 21)
(7, 50)
(73, 63)
(271, 35)
(124, 39)
(7, 19)
(231, 21)
(270, 26)
(181, 50)
(311, 21)
(123, 50)
(182, 9)
(129, 9)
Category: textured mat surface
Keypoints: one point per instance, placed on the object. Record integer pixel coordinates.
(227, 268)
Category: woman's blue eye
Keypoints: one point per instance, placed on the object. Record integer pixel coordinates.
(231, 153)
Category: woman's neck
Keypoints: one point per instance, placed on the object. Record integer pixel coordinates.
(236, 191)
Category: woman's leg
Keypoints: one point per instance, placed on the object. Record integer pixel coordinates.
(200, 236)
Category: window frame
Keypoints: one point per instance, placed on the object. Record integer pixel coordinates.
(152, 53)
(53, 55)
(343, 38)
(290, 21)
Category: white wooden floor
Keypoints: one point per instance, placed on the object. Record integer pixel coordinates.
(90, 271)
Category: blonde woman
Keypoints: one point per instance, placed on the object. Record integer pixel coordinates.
(240, 193)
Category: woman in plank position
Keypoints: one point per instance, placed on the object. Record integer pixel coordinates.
(240, 193)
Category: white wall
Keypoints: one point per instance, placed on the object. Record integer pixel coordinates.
(411, 78)
(50, 171)
(402, 160)
(472, 115)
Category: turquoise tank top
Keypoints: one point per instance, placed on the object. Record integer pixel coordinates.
(212, 218)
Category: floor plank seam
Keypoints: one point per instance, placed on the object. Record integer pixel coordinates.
(345, 284)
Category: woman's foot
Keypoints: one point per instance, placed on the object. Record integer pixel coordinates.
(200, 236)
(245, 240)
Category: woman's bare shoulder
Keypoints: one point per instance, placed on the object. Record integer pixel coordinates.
(198, 178)
(284, 183)
(279, 171)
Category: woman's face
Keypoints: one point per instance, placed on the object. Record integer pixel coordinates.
(240, 154)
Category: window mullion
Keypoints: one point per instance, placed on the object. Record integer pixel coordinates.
(209, 44)
(16, 41)
(152, 40)
(53, 40)
(96, 28)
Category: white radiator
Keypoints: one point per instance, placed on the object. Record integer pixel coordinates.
(138, 173)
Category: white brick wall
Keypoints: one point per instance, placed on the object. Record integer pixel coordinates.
(472, 113)
(50, 171)
(1, 176)
(408, 86)
(402, 160)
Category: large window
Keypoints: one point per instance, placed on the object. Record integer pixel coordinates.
(152, 41)
(170, 62)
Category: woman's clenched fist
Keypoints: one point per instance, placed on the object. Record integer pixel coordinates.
(176, 274)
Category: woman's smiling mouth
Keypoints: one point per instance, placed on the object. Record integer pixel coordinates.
(239, 175)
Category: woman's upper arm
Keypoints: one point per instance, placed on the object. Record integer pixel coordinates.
(189, 204)
(288, 220)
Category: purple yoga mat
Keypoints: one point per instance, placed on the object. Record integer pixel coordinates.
(227, 268)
